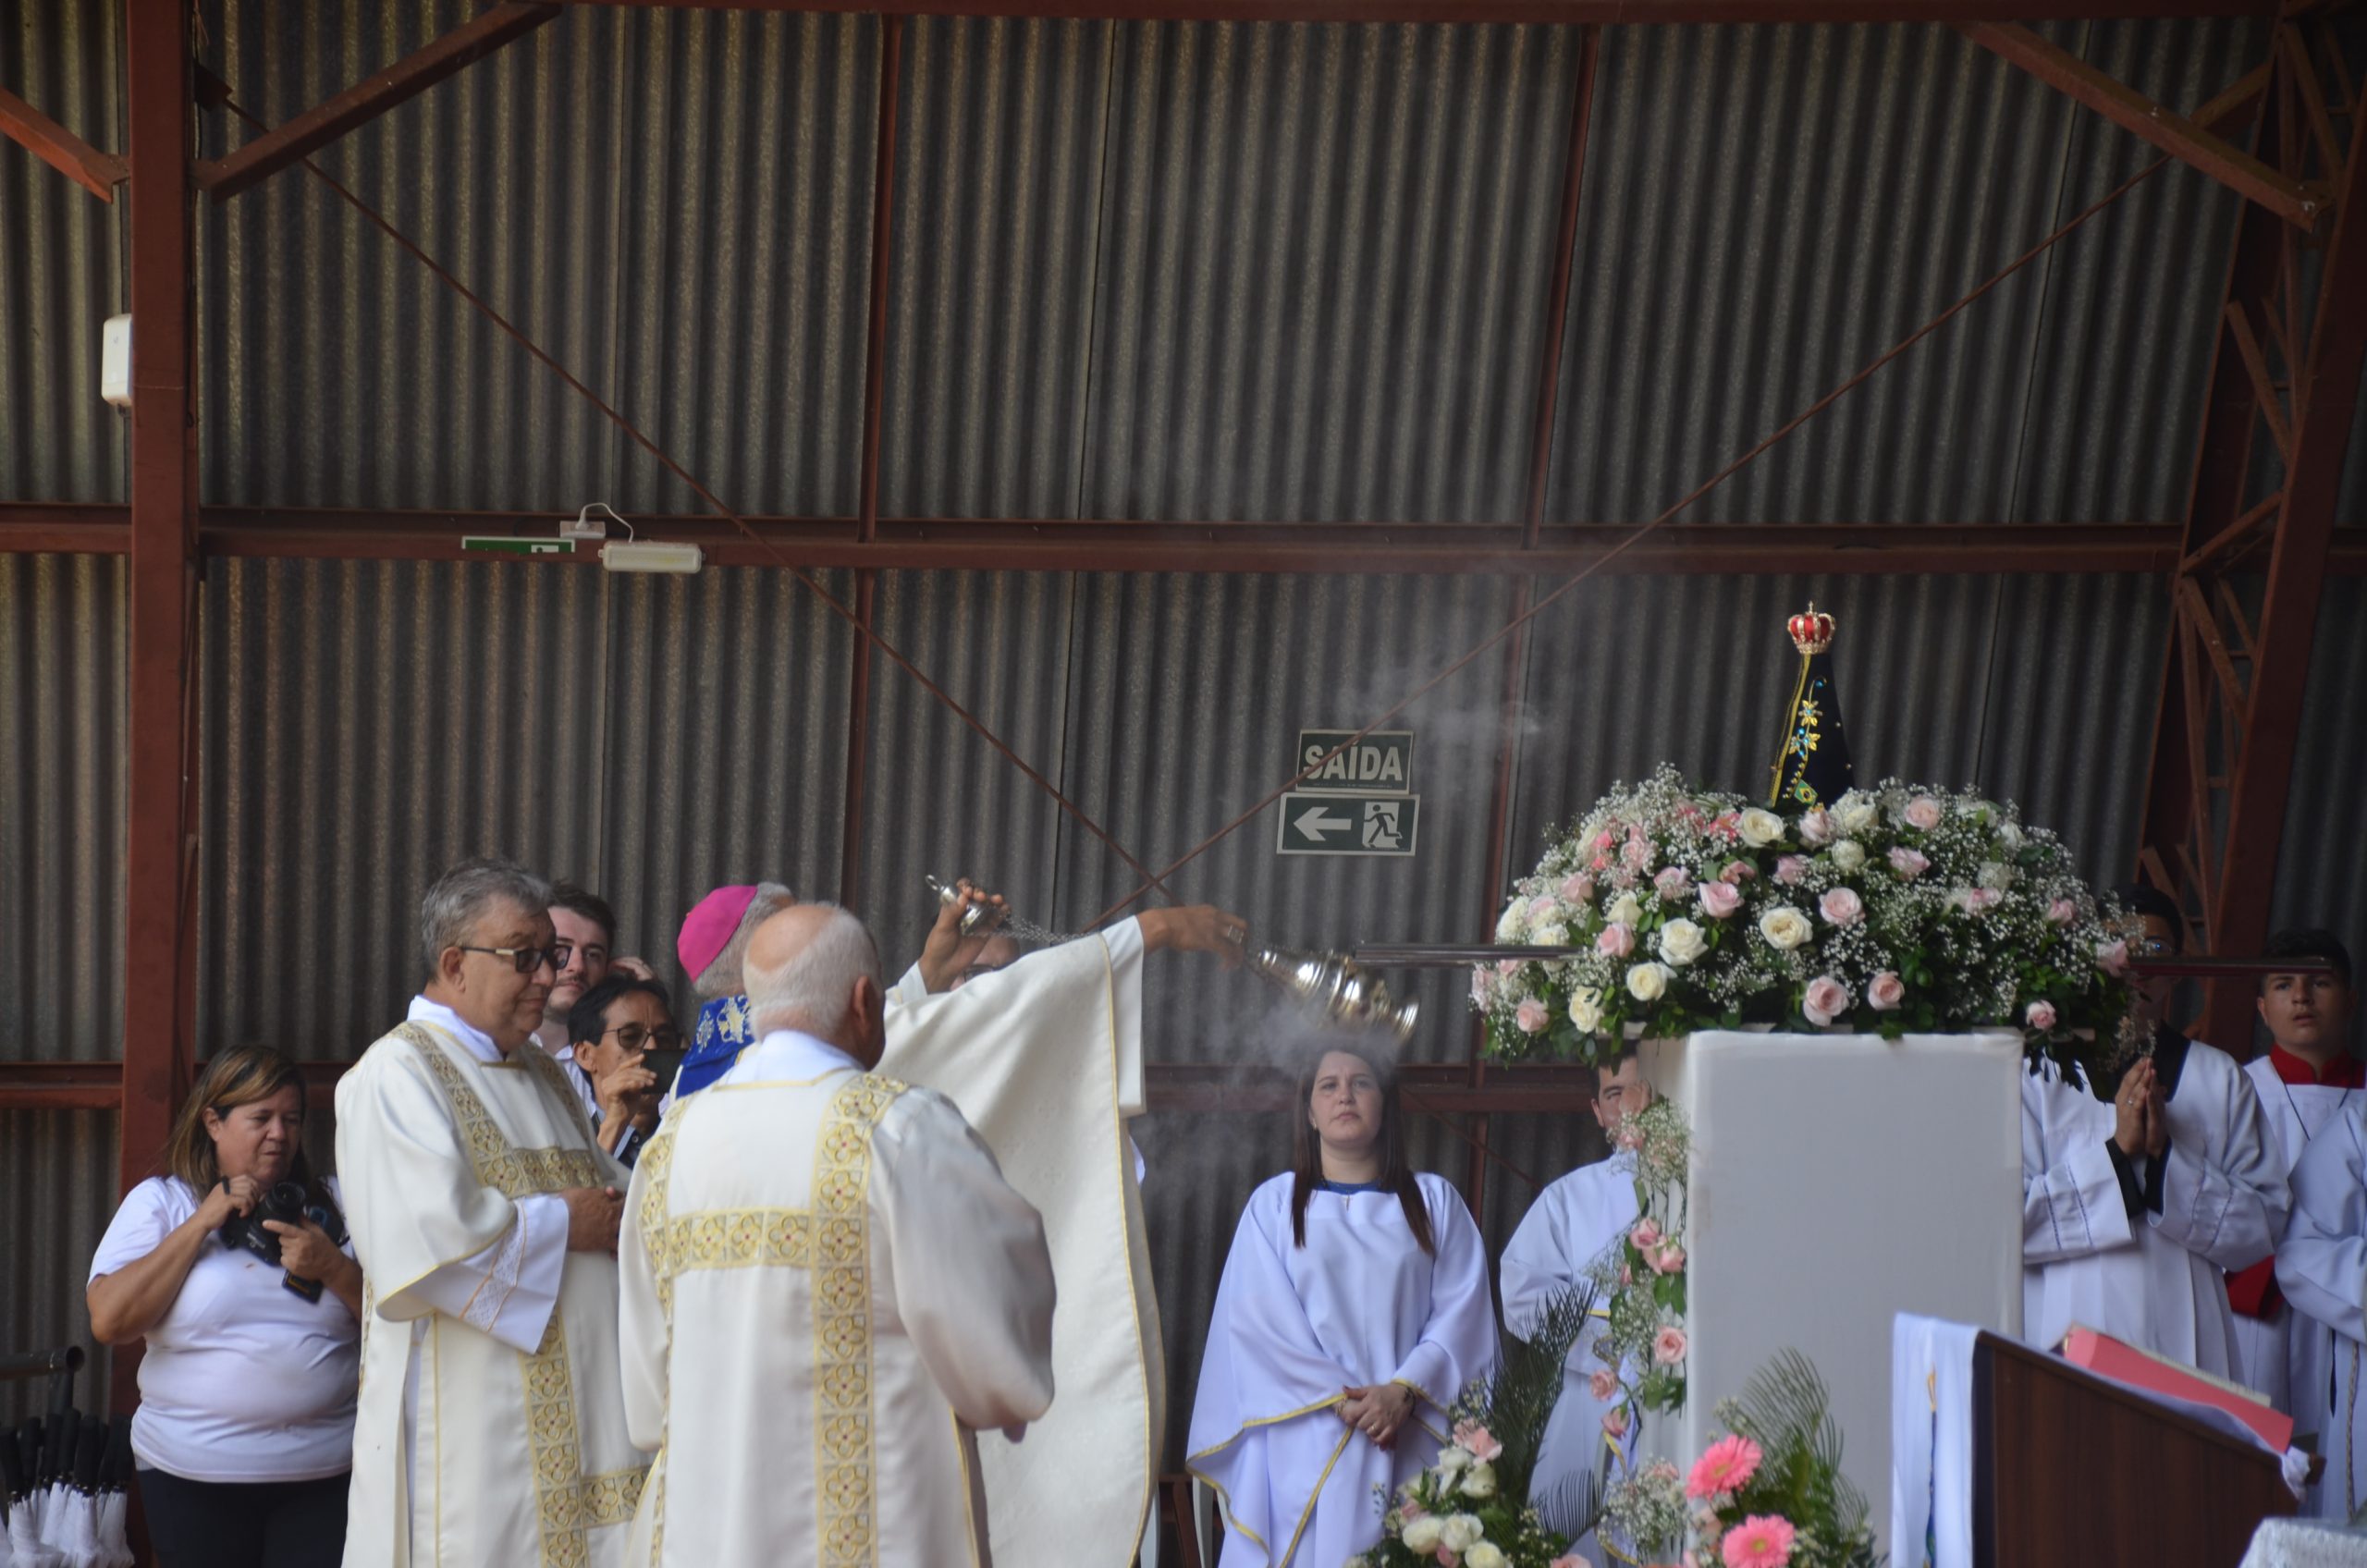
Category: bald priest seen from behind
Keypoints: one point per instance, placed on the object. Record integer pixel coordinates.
(828, 1288)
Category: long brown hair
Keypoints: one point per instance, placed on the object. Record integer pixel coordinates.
(1396, 1176)
(238, 1076)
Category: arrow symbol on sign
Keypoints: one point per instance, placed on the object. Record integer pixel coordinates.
(1316, 823)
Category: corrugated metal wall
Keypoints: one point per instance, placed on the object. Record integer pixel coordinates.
(57, 1183)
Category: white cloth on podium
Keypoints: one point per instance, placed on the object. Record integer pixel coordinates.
(2305, 1543)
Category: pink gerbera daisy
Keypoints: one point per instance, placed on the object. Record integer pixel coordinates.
(1725, 1466)
(1763, 1540)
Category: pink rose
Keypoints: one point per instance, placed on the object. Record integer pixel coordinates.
(1599, 863)
(1763, 1540)
(1724, 1466)
(1842, 906)
(1623, 878)
(1577, 889)
(1449, 1558)
(1508, 967)
(1572, 1561)
(1605, 838)
(1614, 1422)
(1738, 871)
(1816, 828)
(1616, 939)
(2061, 911)
(2113, 957)
(1720, 900)
(1885, 992)
(1409, 1505)
(1923, 811)
(1483, 987)
(1530, 1015)
(1789, 869)
(1908, 863)
(1825, 1000)
(1634, 855)
(1602, 1382)
(1668, 1346)
(1645, 1236)
(2040, 1015)
(1673, 883)
(1476, 1441)
(1668, 1259)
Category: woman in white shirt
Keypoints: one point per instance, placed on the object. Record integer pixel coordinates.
(244, 1433)
(1354, 1310)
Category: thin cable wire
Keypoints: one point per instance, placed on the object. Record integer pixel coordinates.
(2025, 258)
(1151, 880)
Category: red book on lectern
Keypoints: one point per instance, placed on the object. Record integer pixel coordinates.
(2122, 1362)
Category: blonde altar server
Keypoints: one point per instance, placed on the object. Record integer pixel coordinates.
(825, 1272)
(2135, 1203)
(491, 1427)
(1044, 1057)
(1353, 1311)
(1574, 1222)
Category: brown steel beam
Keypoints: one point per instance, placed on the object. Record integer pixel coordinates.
(2183, 138)
(1540, 13)
(96, 172)
(1557, 304)
(408, 78)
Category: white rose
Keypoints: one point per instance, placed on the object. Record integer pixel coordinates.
(1515, 922)
(1423, 1534)
(1550, 936)
(1857, 813)
(1462, 1532)
(1486, 1555)
(1586, 1009)
(1480, 1482)
(1626, 910)
(1681, 942)
(1451, 1461)
(1849, 854)
(1759, 828)
(1649, 981)
(1996, 878)
(2010, 835)
(1786, 928)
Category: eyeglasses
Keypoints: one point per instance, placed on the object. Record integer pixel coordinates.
(635, 1038)
(562, 952)
(527, 960)
(2157, 947)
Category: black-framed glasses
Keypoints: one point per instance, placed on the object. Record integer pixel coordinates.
(562, 951)
(638, 1037)
(527, 960)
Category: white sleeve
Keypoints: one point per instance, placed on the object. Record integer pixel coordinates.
(910, 988)
(2072, 1201)
(510, 1288)
(971, 1274)
(2227, 1201)
(1124, 943)
(1458, 1342)
(1537, 1266)
(643, 1334)
(138, 1227)
(2321, 1263)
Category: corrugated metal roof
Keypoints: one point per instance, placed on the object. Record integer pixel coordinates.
(63, 671)
(57, 1191)
(2322, 861)
(61, 259)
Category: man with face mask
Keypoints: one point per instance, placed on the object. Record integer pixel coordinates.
(491, 1427)
(2138, 1191)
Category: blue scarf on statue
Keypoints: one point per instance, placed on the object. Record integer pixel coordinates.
(723, 1033)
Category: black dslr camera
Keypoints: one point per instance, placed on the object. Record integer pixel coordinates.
(285, 1202)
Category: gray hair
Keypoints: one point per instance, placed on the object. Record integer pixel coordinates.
(462, 896)
(721, 976)
(810, 990)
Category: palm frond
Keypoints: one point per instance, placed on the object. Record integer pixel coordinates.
(1785, 1409)
(1517, 1403)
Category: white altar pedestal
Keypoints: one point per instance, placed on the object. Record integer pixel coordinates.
(1838, 1179)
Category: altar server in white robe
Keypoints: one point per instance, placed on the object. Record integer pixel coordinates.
(2135, 1203)
(1044, 1057)
(2305, 1080)
(829, 1290)
(491, 1427)
(1353, 1312)
(1570, 1227)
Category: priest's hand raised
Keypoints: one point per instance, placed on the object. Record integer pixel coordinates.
(2132, 1107)
(1197, 929)
(949, 950)
(593, 1216)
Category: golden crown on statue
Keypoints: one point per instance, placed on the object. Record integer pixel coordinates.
(1811, 630)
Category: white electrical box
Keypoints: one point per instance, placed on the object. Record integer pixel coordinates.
(114, 361)
(621, 555)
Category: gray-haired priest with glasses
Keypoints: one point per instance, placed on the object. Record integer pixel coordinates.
(491, 1427)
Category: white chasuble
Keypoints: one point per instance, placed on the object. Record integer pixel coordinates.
(491, 1423)
(2140, 1254)
(827, 1288)
(2288, 1355)
(2322, 1268)
(1573, 1221)
(1044, 1060)
(1360, 1304)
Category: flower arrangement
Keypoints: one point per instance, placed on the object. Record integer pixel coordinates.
(1473, 1506)
(1768, 1494)
(1642, 1275)
(1895, 908)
